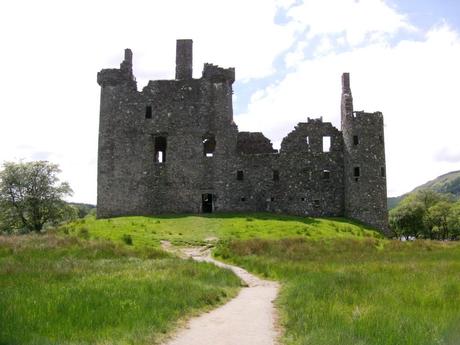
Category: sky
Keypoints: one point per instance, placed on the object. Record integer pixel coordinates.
(403, 57)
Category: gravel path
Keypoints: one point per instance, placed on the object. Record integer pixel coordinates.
(248, 319)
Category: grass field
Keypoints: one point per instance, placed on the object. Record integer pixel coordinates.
(64, 290)
(194, 230)
(342, 283)
(350, 292)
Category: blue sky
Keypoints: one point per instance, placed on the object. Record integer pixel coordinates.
(289, 56)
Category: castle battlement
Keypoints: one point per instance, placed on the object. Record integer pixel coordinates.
(174, 148)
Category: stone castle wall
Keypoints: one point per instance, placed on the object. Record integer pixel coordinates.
(174, 148)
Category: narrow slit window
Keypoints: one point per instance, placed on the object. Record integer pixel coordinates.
(272, 199)
(243, 198)
(355, 140)
(381, 139)
(302, 199)
(307, 140)
(326, 174)
(382, 171)
(209, 145)
(148, 112)
(276, 175)
(326, 144)
(160, 149)
(356, 173)
(240, 175)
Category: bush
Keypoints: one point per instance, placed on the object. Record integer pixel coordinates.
(127, 239)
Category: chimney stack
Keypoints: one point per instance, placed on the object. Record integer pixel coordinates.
(184, 59)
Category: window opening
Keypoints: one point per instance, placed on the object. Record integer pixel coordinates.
(382, 171)
(148, 112)
(326, 144)
(209, 145)
(160, 149)
(355, 140)
(356, 173)
(240, 175)
(326, 174)
(307, 140)
(302, 199)
(381, 139)
(243, 198)
(272, 199)
(316, 203)
(276, 175)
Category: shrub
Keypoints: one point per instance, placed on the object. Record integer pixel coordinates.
(127, 239)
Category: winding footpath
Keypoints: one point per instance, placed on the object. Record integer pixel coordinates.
(248, 319)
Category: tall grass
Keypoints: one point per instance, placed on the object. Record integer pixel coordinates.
(63, 290)
(345, 291)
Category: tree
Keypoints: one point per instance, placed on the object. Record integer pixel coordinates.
(406, 219)
(437, 219)
(31, 194)
(454, 221)
(426, 214)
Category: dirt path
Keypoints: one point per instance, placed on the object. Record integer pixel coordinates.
(248, 319)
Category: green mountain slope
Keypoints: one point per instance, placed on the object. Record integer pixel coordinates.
(447, 184)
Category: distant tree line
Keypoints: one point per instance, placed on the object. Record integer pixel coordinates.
(426, 214)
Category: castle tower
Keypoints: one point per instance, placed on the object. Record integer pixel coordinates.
(116, 84)
(365, 197)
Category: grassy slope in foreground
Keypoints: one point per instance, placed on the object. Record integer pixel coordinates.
(348, 292)
(190, 229)
(62, 290)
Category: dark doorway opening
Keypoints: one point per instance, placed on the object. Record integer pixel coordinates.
(206, 203)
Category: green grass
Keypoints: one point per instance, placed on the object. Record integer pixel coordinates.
(351, 292)
(194, 230)
(65, 290)
(342, 283)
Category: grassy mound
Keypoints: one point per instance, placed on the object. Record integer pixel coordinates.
(193, 230)
(64, 290)
(348, 291)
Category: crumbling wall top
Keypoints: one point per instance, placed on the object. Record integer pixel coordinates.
(118, 76)
(218, 74)
(253, 143)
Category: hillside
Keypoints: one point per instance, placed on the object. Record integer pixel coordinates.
(197, 230)
(446, 184)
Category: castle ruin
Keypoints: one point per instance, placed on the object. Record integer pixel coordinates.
(174, 148)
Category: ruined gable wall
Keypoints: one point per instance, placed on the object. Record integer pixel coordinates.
(312, 180)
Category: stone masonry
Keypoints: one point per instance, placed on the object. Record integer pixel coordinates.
(174, 148)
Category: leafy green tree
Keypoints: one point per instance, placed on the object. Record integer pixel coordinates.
(454, 221)
(437, 219)
(31, 195)
(406, 219)
(426, 214)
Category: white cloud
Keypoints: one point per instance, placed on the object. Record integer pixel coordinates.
(359, 20)
(414, 84)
